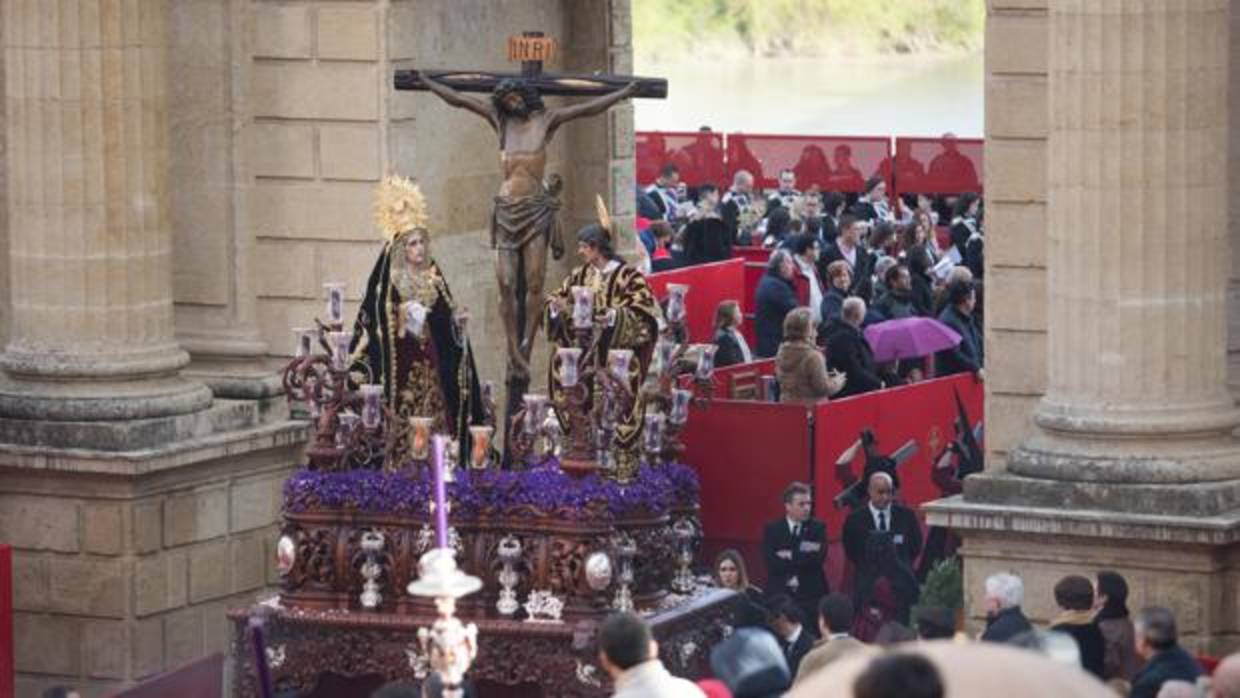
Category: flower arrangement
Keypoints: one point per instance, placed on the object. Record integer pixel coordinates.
(538, 491)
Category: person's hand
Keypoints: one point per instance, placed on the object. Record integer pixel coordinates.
(558, 305)
(785, 554)
(980, 375)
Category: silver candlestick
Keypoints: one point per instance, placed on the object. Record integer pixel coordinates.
(685, 532)
(372, 545)
(509, 552)
(449, 645)
(624, 549)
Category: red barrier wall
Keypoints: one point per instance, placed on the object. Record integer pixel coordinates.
(936, 166)
(698, 155)
(747, 451)
(709, 285)
(6, 622)
(759, 255)
(834, 163)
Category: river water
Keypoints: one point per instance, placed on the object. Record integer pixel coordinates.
(907, 95)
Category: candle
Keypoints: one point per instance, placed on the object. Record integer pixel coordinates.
(653, 432)
(583, 307)
(618, 360)
(335, 303)
(340, 349)
(676, 306)
(415, 318)
(420, 437)
(666, 350)
(372, 394)
(535, 406)
(480, 454)
(680, 405)
(706, 362)
(302, 348)
(569, 358)
(441, 492)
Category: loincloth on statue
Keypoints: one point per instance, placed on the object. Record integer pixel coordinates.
(518, 220)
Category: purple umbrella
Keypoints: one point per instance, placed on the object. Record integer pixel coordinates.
(909, 338)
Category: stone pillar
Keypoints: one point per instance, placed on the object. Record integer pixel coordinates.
(91, 333)
(1138, 256)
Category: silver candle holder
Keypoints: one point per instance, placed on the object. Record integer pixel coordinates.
(449, 645)
(685, 532)
(509, 553)
(372, 546)
(624, 549)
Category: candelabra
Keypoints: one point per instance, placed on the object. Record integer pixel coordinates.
(685, 373)
(449, 645)
(535, 432)
(509, 553)
(685, 532)
(624, 549)
(372, 546)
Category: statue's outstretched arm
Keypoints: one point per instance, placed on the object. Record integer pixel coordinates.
(598, 105)
(460, 99)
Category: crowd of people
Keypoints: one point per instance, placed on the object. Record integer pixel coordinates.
(849, 261)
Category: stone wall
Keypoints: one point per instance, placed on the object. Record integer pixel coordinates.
(1016, 149)
(124, 566)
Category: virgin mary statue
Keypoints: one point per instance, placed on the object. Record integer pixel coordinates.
(409, 333)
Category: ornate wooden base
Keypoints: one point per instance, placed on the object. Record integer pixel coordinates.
(514, 658)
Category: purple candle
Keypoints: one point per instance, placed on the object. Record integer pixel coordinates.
(441, 492)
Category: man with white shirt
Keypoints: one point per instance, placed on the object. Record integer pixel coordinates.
(794, 548)
(628, 653)
(882, 514)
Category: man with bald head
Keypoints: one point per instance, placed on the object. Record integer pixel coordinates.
(881, 514)
(1225, 682)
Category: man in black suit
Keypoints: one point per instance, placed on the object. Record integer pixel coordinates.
(849, 248)
(790, 631)
(795, 548)
(880, 513)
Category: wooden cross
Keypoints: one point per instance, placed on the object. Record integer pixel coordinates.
(531, 49)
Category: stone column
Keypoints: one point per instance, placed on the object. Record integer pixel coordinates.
(91, 334)
(1138, 257)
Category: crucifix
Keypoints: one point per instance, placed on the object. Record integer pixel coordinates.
(526, 210)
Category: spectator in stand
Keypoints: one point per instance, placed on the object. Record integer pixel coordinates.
(919, 266)
(848, 247)
(1112, 617)
(806, 250)
(664, 193)
(968, 356)
(1075, 597)
(899, 675)
(919, 235)
(774, 299)
(736, 201)
(966, 232)
(1225, 683)
(661, 258)
(731, 347)
(1158, 645)
(794, 548)
(786, 196)
(811, 214)
(646, 207)
(897, 302)
(706, 236)
(777, 224)
(873, 205)
(799, 365)
(880, 276)
(839, 278)
(935, 623)
(835, 618)
(1005, 620)
(785, 621)
(848, 352)
(832, 207)
(628, 652)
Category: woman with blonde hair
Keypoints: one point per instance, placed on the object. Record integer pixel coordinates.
(800, 367)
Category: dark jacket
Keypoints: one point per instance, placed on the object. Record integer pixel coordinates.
(1167, 665)
(1122, 661)
(808, 555)
(832, 304)
(966, 357)
(848, 351)
(923, 296)
(1005, 625)
(707, 240)
(904, 527)
(1089, 640)
(775, 297)
(727, 350)
(862, 269)
(895, 305)
(795, 652)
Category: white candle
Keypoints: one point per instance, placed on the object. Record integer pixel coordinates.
(652, 434)
(335, 302)
(372, 394)
(583, 307)
(676, 306)
(680, 405)
(706, 362)
(535, 407)
(569, 358)
(340, 349)
(302, 349)
(619, 361)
